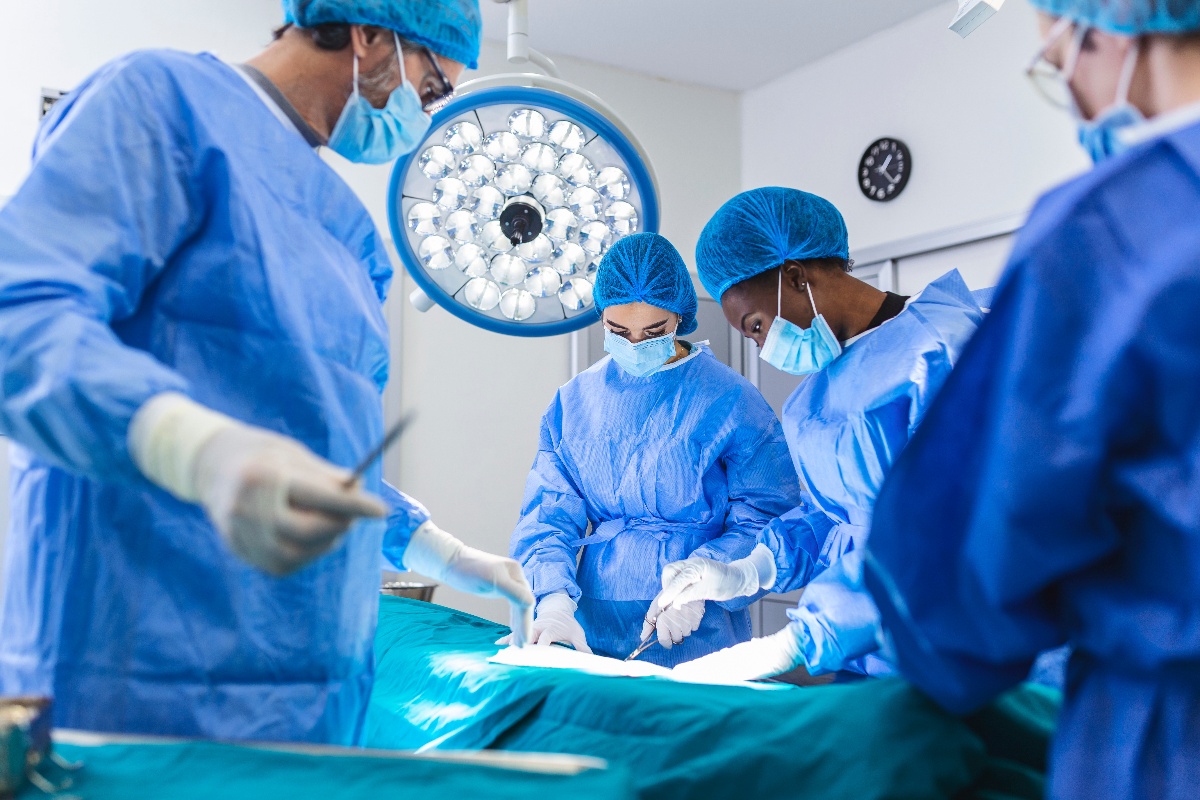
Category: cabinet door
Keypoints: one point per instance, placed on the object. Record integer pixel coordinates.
(980, 263)
(769, 615)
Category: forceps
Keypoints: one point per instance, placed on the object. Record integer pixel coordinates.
(650, 639)
(645, 644)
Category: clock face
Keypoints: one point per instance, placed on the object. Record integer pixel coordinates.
(884, 169)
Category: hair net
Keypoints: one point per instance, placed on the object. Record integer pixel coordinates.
(760, 229)
(450, 28)
(646, 268)
(1129, 17)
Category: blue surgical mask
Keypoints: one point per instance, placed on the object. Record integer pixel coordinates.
(641, 359)
(796, 350)
(369, 135)
(1101, 137)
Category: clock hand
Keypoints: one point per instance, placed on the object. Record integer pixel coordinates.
(885, 174)
(886, 161)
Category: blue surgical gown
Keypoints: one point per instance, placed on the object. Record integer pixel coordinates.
(1056, 482)
(845, 426)
(688, 461)
(173, 235)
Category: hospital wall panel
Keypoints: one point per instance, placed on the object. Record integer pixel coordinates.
(984, 143)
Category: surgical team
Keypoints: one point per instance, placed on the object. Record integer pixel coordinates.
(193, 352)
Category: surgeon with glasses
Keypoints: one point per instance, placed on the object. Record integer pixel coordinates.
(193, 351)
(1056, 477)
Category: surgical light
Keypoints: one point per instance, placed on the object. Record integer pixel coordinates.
(502, 214)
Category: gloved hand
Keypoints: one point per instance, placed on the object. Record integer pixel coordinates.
(435, 553)
(748, 661)
(675, 624)
(555, 621)
(276, 504)
(704, 579)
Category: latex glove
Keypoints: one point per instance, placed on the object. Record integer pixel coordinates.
(675, 624)
(704, 579)
(748, 661)
(435, 553)
(276, 504)
(555, 622)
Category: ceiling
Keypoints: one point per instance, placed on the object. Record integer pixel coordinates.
(725, 44)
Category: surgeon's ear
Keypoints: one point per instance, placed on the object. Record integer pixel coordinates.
(795, 275)
(367, 39)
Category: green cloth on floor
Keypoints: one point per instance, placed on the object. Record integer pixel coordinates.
(206, 770)
(874, 739)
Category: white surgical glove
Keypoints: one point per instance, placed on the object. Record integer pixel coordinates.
(555, 622)
(675, 624)
(698, 578)
(435, 553)
(748, 661)
(276, 504)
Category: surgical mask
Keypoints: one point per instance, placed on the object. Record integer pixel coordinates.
(796, 350)
(641, 359)
(369, 135)
(1101, 137)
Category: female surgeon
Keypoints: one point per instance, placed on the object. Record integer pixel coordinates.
(1062, 461)
(776, 260)
(665, 453)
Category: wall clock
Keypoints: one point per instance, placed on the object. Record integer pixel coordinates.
(883, 169)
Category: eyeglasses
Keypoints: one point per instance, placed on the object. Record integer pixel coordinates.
(437, 98)
(1051, 81)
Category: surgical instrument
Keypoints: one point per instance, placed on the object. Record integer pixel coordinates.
(378, 450)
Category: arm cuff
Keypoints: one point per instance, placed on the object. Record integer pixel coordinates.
(165, 436)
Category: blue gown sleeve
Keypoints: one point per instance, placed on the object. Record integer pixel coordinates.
(836, 619)
(762, 484)
(553, 514)
(798, 542)
(107, 202)
(405, 515)
(999, 486)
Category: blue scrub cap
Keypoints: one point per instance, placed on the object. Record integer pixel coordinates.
(450, 28)
(1128, 17)
(646, 268)
(760, 229)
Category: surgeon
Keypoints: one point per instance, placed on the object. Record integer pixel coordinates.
(654, 454)
(777, 261)
(192, 349)
(1056, 479)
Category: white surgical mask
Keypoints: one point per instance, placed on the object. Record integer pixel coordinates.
(369, 135)
(796, 350)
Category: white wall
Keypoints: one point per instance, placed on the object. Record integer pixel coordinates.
(984, 143)
(57, 43)
(478, 396)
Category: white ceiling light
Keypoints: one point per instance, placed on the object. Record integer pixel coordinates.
(523, 182)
